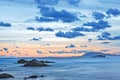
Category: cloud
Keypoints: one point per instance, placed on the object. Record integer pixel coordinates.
(35, 39)
(97, 25)
(47, 44)
(70, 34)
(55, 2)
(92, 54)
(70, 46)
(45, 19)
(50, 14)
(82, 29)
(105, 50)
(39, 52)
(5, 49)
(83, 16)
(49, 29)
(40, 29)
(2, 24)
(30, 28)
(89, 40)
(104, 36)
(1, 50)
(83, 46)
(114, 12)
(45, 29)
(74, 2)
(98, 15)
(105, 42)
(68, 52)
(107, 36)
(46, 2)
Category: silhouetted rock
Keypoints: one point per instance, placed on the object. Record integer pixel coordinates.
(1, 70)
(33, 76)
(47, 61)
(5, 75)
(35, 63)
(22, 61)
(42, 76)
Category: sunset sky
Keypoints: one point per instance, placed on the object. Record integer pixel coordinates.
(59, 28)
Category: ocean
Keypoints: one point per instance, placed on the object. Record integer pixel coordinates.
(79, 68)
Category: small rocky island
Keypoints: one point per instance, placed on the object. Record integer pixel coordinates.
(33, 77)
(22, 61)
(34, 63)
(6, 75)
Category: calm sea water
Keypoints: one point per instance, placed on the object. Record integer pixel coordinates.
(66, 69)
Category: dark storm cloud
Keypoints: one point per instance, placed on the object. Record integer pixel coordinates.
(98, 15)
(107, 36)
(2, 24)
(114, 12)
(97, 25)
(50, 14)
(69, 34)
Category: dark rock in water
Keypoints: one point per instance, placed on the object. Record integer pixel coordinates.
(5, 75)
(99, 56)
(1, 70)
(22, 61)
(42, 76)
(35, 63)
(33, 76)
(47, 61)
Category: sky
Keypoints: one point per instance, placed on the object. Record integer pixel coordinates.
(59, 28)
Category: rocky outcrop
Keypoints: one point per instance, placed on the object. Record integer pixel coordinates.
(1, 70)
(5, 75)
(35, 63)
(47, 61)
(33, 76)
(22, 61)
